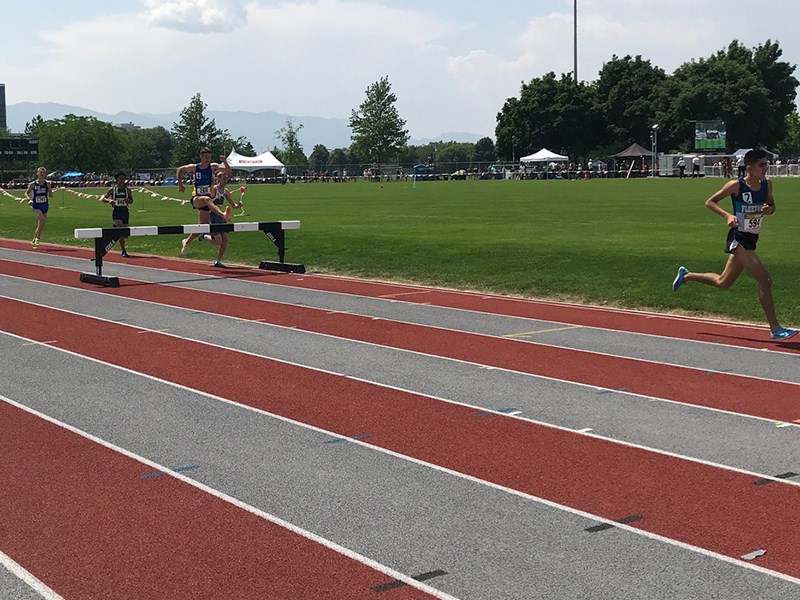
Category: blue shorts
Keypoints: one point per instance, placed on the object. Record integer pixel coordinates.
(42, 206)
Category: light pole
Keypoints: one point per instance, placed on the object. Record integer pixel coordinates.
(575, 37)
(654, 142)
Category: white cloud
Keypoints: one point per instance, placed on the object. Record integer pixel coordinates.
(316, 57)
(196, 16)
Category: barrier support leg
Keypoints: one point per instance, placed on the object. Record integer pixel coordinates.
(101, 246)
(277, 236)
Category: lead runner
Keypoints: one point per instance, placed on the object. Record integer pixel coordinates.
(752, 199)
(203, 193)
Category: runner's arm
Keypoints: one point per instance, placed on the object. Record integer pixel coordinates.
(179, 175)
(107, 197)
(769, 206)
(729, 189)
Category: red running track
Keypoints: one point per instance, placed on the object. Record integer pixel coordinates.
(80, 518)
(746, 336)
(712, 508)
(743, 395)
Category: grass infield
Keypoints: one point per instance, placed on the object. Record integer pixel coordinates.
(616, 242)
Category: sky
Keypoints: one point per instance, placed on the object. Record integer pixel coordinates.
(451, 63)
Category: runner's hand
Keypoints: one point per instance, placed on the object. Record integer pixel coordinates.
(768, 209)
(733, 221)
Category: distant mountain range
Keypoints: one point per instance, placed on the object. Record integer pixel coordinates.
(258, 127)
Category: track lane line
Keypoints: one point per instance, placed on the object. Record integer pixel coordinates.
(648, 323)
(330, 555)
(26, 577)
(682, 384)
(395, 424)
(513, 414)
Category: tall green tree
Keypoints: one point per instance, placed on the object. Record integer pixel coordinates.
(550, 112)
(164, 144)
(80, 143)
(194, 130)
(319, 158)
(32, 126)
(338, 160)
(626, 93)
(484, 151)
(751, 90)
(139, 151)
(378, 132)
(790, 145)
(292, 154)
(778, 78)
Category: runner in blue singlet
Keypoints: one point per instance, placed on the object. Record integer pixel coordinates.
(203, 174)
(38, 194)
(752, 200)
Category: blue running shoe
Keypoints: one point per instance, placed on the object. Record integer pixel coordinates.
(783, 333)
(679, 281)
(219, 265)
(125, 254)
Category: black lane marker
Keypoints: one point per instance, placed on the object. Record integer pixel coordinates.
(788, 475)
(398, 584)
(622, 521)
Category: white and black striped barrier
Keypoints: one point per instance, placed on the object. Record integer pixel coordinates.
(106, 237)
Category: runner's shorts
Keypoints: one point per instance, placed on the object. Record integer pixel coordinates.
(740, 238)
(120, 213)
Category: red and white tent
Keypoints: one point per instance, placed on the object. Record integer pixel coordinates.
(265, 160)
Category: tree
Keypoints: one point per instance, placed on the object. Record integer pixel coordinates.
(292, 153)
(195, 131)
(32, 126)
(484, 151)
(626, 94)
(378, 131)
(80, 143)
(550, 112)
(751, 90)
(457, 155)
(790, 146)
(338, 160)
(778, 78)
(319, 159)
(164, 144)
(139, 150)
(243, 146)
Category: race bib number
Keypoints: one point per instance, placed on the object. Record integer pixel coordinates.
(202, 190)
(750, 222)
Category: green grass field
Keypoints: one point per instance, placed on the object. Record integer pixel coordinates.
(615, 242)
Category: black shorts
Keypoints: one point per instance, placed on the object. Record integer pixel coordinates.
(736, 238)
(205, 208)
(215, 218)
(120, 213)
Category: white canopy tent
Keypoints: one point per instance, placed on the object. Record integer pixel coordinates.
(265, 160)
(743, 151)
(544, 155)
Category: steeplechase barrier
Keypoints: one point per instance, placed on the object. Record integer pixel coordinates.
(106, 237)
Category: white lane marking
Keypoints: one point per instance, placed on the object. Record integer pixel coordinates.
(421, 394)
(417, 461)
(32, 582)
(393, 348)
(494, 337)
(479, 312)
(236, 502)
